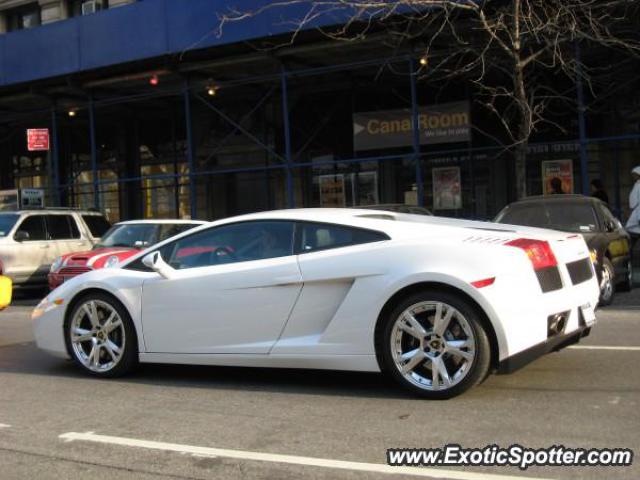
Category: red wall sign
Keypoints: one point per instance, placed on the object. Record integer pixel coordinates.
(38, 139)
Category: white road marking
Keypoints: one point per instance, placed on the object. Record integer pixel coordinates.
(288, 459)
(604, 347)
(4, 425)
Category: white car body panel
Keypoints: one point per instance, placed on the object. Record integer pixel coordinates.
(320, 309)
(234, 308)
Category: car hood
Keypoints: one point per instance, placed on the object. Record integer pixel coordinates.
(96, 258)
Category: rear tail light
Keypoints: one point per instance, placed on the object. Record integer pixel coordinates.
(538, 251)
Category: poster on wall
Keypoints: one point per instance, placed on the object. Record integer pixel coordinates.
(562, 170)
(332, 192)
(447, 191)
(13, 200)
(365, 188)
(38, 139)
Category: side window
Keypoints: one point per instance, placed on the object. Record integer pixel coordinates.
(98, 225)
(239, 242)
(34, 227)
(322, 236)
(172, 229)
(62, 227)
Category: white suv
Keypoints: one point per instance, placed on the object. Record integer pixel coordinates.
(30, 240)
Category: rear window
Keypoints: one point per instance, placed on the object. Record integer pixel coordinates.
(322, 236)
(563, 216)
(97, 224)
(7, 221)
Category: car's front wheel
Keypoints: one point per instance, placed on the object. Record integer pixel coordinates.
(435, 345)
(100, 336)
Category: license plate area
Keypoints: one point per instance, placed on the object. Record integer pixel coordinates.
(588, 314)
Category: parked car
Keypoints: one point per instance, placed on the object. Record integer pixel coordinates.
(120, 242)
(401, 208)
(5, 290)
(30, 240)
(437, 303)
(607, 239)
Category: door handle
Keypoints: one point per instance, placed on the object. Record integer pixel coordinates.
(44, 246)
(80, 244)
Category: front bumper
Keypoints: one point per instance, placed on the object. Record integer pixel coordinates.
(48, 329)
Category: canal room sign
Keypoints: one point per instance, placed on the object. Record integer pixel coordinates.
(442, 123)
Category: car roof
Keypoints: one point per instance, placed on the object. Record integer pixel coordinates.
(557, 198)
(163, 221)
(62, 211)
(310, 214)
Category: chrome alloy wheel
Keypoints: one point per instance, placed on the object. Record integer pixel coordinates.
(97, 335)
(606, 284)
(433, 345)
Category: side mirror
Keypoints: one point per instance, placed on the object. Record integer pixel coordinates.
(21, 236)
(609, 226)
(155, 262)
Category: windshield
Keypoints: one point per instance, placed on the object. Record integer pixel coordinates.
(131, 235)
(564, 216)
(7, 221)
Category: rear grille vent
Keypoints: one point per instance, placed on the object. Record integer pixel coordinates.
(549, 279)
(580, 271)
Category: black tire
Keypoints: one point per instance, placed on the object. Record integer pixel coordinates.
(627, 284)
(128, 359)
(607, 275)
(479, 365)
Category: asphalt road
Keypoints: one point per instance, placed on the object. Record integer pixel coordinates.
(576, 398)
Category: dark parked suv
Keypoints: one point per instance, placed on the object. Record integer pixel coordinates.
(607, 239)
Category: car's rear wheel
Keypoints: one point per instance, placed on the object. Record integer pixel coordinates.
(435, 345)
(100, 336)
(607, 284)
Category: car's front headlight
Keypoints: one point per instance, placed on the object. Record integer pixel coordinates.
(55, 266)
(45, 305)
(112, 262)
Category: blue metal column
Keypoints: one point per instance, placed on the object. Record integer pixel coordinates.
(582, 128)
(55, 160)
(94, 154)
(190, 150)
(287, 138)
(416, 132)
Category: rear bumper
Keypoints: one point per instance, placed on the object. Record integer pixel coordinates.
(523, 358)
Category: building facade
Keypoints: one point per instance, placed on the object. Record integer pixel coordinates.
(151, 111)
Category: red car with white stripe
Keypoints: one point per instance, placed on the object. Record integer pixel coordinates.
(122, 241)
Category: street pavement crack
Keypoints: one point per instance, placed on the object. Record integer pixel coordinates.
(98, 464)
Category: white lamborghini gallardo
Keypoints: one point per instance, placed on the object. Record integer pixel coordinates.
(436, 303)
